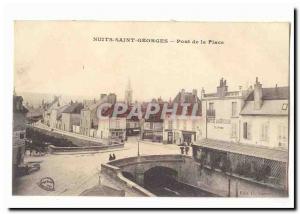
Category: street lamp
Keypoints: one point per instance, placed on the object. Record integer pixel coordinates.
(138, 148)
(139, 138)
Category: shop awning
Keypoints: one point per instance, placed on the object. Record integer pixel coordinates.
(238, 148)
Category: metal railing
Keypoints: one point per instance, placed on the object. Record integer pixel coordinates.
(211, 113)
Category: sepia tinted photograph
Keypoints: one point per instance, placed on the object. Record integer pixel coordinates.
(151, 109)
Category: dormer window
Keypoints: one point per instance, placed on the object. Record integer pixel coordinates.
(284, 106)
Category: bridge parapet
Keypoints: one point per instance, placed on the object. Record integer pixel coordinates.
(147, 159)
(116, 174)
(137, 166)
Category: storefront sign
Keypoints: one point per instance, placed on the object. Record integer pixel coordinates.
(223, 121)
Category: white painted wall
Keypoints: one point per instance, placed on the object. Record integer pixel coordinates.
(103, 128)
(76, 129)
(277, 131)
(66, 122)
(221, 127)
(224, 125)
(117, 123)
(53, 118)
(106, 124)
(177, 125)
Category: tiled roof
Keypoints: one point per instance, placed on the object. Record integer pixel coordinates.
(189, 109)
(98, 103)
(60, 110)
(153, 117)
(74, 108)
(34, 112)
(188, 98)
(108, 112)
(277, 93)
(269, 107)
(261, 152)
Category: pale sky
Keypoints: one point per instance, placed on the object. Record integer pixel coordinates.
(50, 56)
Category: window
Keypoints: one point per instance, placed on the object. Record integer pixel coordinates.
(184, 124)
(170, 125)
(211, 111)
(193, 125)
(247, 130)
(233, 130)
(284, 106)
(282, 132)
(151, 125)
(234, 109)
(264, 132)
(21, 135)
(177, 123)
(117, 124)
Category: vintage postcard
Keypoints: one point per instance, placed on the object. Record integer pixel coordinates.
(151, 109)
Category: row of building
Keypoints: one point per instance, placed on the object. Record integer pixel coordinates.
(81, 118)
(244, 131)
(254, 116)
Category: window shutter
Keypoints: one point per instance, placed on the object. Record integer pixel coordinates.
(267, 132)
(279, 132)
(261, 132)
(249, 131)
(245, 130)
(233, 130)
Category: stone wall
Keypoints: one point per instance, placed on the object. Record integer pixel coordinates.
(217, 182)
(76, 141)
(59, 149)
(191, 173)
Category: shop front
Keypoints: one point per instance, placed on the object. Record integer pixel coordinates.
(188, 137)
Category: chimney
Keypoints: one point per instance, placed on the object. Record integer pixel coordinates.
(182, 96)
(222, 88)
(202, 93)
(195, 92)
(257, 94)
(102, 96)
(112, 98)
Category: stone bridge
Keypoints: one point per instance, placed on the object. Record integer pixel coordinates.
(134, 170)
(134, 173)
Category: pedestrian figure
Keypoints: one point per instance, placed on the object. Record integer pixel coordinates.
(30, 150)
(187, 150)
(114, 156)
(182, 149)
(30, 147)
(110, 157)
(38, 151)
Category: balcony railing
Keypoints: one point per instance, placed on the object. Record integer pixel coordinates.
(211, 113)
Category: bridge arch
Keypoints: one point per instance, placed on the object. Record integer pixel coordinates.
(158, 176)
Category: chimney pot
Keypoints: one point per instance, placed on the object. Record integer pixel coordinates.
(257, 95)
